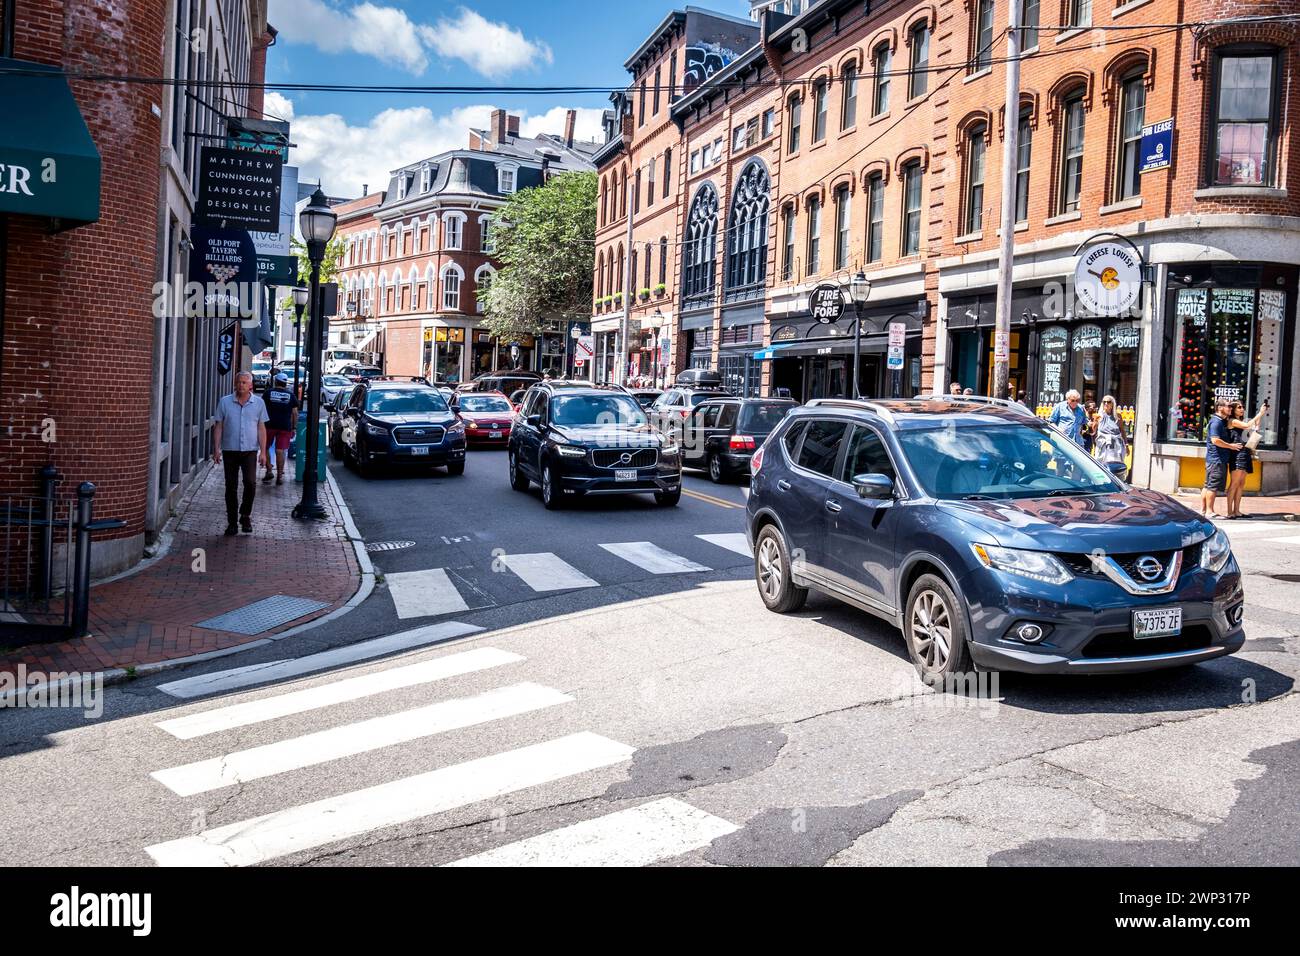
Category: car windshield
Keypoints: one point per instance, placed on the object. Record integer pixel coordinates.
(415, 401)
(484, 403)
(596, 410)
(762, 417)
(1004, 460)
(336, 380)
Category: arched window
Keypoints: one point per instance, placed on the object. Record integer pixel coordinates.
(600, 276)
(451, 280)
(483, 282)
(663, 261)
(747, 229)
(604, 199)
(1133, 102)
(699, 273)
(975, 152)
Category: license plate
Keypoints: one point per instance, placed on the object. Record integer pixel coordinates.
(1164, 622)
(625, 474)
(496, 434)
(419, 451)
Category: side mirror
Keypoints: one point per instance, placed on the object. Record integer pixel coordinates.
(1118, 469)
(878, 487)
(534, 420)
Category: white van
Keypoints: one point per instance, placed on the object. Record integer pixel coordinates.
(338, 356)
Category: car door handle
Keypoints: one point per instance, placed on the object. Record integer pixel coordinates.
(833, 506)
(783, 484)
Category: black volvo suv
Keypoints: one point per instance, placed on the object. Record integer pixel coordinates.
(577, 440)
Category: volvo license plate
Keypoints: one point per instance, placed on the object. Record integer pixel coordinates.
(1161, 622)
(625, 474)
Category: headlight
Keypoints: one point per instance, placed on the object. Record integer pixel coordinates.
(377, 431)
(571, 451)
(1215, 552)
(670, 449)
(456, 428)
(1029, 564)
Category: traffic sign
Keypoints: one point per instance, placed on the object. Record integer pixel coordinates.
(584, 349)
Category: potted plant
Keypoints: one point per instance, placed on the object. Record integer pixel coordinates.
(660, 289)
(618, 298)
(644, 294)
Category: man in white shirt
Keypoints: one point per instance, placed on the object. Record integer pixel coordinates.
(239, 442)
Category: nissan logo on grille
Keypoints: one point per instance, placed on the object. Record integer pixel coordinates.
(1148, 568)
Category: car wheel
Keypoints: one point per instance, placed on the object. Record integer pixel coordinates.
(773, 572)
(455, 468)
(518, 480)
(551, 495)
(716, 473)
(336, 446)
(364, 468)
(667, 499)
(936, 633)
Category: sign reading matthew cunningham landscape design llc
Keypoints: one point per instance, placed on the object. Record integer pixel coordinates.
(239, 189)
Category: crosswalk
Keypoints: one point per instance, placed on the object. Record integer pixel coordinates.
(638, 835)
(1253, 530)
(434, 592)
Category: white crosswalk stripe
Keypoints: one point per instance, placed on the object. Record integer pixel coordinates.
(424, 593)
(546, 572)
(352, 688)
(640, 836)
(650, 557)
(732, 542)
(352, 739)
(310, 825)
(1291, 539)
(247, 676)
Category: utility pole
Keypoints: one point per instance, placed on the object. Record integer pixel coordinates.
(1007, 246)
(625, 325)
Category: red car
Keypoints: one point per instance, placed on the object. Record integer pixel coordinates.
(487, 417)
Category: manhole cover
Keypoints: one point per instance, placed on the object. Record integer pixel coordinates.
(388, 545)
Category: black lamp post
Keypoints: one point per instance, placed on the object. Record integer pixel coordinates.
(317, 223)
(299, 304)
(859, 290)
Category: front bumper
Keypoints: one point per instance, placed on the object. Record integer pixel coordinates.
(586, 480)
(1091, 625)
(449, 450)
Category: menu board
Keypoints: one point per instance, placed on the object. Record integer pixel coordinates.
(1231, 324)
(1053, 355)
(1190, 313)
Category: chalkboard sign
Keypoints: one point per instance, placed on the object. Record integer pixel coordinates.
(1053, 357)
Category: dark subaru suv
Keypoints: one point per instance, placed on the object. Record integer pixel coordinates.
(578, 440)
(397, 421)
(989, 538)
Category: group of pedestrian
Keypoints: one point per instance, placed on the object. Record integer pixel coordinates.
(247, 427)
(1098, 431)
(1229, 455)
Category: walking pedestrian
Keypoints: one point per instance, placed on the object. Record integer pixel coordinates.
(1110, 441)
(239, 443)
(1070, 419)
(1218, 457)
(1243, 461)
(281, 404)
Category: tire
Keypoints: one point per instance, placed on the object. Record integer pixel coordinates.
(935, 616)
(364, 468)
(773, 573)
(336, 446)
(717, 473)
(518, 480)
(668, 499)
(455, 468)
(552, 497)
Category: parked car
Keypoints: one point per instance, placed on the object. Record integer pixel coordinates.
(721, 435)
(507, 383)
(261, 370)
(358, 373)
(645, 396)
(670, 409)
(332, 386)
(576, 440)
(397, 422)
(487, 417)
(989, 538)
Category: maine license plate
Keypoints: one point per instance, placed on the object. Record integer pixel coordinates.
(625, 474)
(1164, 622)
(495, 434)
(419, 451)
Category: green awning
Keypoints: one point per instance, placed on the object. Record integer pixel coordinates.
(49, 165)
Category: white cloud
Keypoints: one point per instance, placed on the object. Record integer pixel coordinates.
(492, 49)
(344, 156)
(390, 36)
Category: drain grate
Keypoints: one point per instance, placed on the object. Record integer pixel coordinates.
(388, 545)
(262, 615)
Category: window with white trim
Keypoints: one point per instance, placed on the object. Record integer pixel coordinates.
(450, 290)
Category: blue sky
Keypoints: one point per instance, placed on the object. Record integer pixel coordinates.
(348, 139)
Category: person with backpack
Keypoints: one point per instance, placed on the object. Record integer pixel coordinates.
(281, 404)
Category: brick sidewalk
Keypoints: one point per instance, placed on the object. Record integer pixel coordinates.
(151, 615)
(1251, 505)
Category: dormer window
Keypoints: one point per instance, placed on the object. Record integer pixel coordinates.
(401, 185)
(426, 178)
(507, 176)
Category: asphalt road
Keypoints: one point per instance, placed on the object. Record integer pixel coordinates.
(652, 718)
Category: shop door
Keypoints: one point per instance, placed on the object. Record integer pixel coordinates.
(828, 377)
(966, 358)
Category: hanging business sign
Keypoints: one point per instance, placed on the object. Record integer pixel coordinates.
(826, 304)
(1108, 278)
(277, 270)
(1157, 147)
(239, 189)
(226, 349)
(278, 243)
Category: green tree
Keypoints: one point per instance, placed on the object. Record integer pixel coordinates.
(544, 242)
(329, 266)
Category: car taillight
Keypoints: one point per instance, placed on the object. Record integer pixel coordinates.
(742, 442)
(685, 412)
(756, 462)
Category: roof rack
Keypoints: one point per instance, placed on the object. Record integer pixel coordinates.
(876, 407)
(979, 399)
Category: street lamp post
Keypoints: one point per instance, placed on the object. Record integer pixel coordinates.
(317, 223)
(299, 303)
(859, 290)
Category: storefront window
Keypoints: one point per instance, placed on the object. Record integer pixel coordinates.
(1122, 345)
(1086, 362)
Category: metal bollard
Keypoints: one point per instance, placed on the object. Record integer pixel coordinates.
(49, 479)
(81, 570)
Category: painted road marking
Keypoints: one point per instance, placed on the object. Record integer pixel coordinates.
(353, 688)
(356, 738)
(721, 503)
(652, 558)
(220, 681)
(546, 572)
(733, 541)
(424, 593)
(637, 837)
(278, 834)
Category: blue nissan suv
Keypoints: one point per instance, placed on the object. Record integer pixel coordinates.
(989, 538)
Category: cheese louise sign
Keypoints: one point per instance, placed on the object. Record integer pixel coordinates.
(239, 189)
(1108, 278)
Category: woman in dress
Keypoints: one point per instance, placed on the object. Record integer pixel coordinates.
(1108, 433)
(1243, 462)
